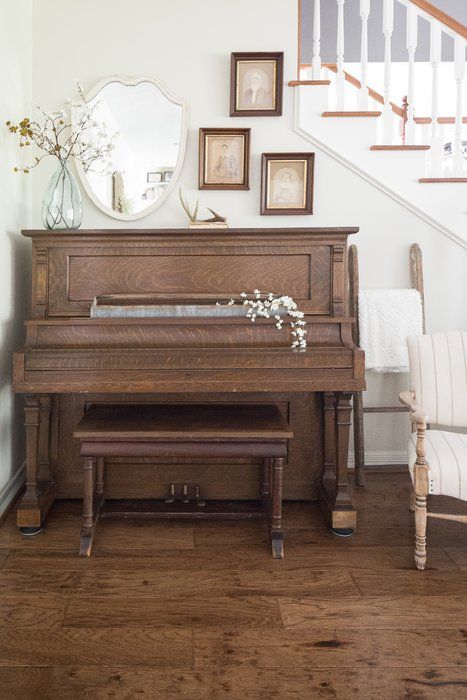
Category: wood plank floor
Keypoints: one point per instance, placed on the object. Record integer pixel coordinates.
(183, 610)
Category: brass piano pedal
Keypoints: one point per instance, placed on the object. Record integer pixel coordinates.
(185, 497)
(199, 501)
(171, 496)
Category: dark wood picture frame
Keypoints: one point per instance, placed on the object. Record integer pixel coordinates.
(203, 184)
(236, 59)
(267, 158)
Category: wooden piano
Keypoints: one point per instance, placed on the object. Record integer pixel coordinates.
(71, 360)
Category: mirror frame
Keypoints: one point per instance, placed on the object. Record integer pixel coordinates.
(181, 153)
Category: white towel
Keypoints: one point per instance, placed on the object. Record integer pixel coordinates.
(386, 317)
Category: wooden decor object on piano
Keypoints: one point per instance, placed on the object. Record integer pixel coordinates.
(70, 360)
(184, 431)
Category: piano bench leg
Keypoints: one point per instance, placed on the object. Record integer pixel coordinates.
(88, 523)
(277, 537)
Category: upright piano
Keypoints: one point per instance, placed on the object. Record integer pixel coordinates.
(71, 360)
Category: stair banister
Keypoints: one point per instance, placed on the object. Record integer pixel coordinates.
(411, 45)
(364, 14)
(388, 28)
(316, 61)
(435, 139)
(340, 78)
(459, 73)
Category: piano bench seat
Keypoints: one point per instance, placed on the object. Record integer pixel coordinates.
(188, 430)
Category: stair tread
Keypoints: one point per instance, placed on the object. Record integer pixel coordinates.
(443, 179)
(398, 147)
(351, 114)
(294, 83)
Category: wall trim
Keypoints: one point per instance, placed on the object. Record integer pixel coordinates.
(380, 458)
(371, 180)
(12, 488)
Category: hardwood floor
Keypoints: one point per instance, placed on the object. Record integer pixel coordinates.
(184, 610)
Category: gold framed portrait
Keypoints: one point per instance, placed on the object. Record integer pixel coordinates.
(287, 183)
(224, 156)
(256, 82)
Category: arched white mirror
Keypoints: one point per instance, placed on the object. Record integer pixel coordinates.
(149, 129)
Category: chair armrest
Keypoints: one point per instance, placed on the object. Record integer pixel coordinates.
(417, 414)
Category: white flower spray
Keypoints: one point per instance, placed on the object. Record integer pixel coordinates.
(267, 305)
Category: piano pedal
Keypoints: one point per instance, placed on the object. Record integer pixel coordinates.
(199, 501)
(185, 498)
(171, 496)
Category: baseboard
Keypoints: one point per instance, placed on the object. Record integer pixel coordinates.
(378, 458)
(11, 490)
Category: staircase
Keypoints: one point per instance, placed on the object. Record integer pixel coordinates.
(418, 160)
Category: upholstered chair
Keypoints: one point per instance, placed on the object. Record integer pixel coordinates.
(438, 395)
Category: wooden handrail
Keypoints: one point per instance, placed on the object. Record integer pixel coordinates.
(375, 96)
(441, 16)
(356, 83)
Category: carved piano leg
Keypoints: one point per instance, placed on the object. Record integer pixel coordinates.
(335, 499)
(277, 537)
(39, 493)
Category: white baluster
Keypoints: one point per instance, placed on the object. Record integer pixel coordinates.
(364, 14)
(316, 62)
(388, 27)
(340, 78)
(435, 140)
(412, 20)
(459, 72)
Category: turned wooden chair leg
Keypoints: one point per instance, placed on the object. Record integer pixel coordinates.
(277, 537)
(87, 525)
(420, 531)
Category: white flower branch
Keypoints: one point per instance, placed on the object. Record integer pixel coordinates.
(267, 305)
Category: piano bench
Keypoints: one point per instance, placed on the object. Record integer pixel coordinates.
(189, 430)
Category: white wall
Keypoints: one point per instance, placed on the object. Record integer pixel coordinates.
(15, 79)
(186, 44)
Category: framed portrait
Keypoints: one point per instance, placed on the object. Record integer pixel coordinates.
(224, 156)
(168, 174)
(256, 82)
(287, 183)
(154, 177)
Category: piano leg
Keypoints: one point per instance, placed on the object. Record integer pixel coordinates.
(277, 537)
(39, 494)
(334, 496)
(92, 503)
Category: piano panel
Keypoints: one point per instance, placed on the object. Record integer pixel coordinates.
(76, 276)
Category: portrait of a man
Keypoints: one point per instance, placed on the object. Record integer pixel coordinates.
(256, 84)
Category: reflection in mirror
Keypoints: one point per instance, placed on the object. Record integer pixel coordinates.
(149, 143)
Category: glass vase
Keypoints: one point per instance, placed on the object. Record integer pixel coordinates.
(62, 207)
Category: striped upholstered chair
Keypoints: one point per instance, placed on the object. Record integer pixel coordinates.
(438, 395)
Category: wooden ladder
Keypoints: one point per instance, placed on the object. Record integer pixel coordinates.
(416, 280)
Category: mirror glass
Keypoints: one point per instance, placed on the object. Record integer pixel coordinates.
(148, 131)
